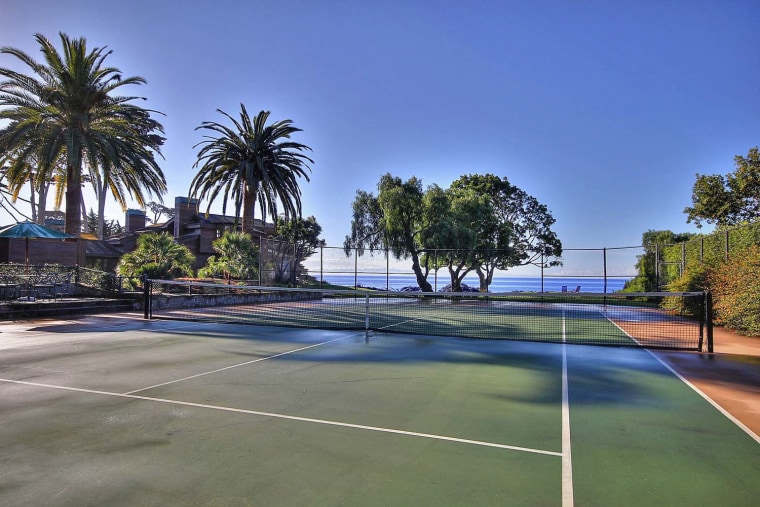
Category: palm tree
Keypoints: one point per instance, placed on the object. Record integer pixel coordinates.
(238, 258)
(128, 178)
(66, 107)
(253, 163)
(158, 256)
(18, 172)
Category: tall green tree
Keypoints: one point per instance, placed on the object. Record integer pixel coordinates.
(454, 241)
(647, 265)
(126, 179)
(399, 219)
(68, 107)
(158, 256)
(295, 241)
(253, 163)
(728, 200)
(519, 233)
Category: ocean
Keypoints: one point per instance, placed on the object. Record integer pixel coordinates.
(500, 284)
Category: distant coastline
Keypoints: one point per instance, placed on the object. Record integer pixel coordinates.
(500, 284)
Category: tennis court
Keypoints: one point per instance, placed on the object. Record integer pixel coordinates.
(119, 410)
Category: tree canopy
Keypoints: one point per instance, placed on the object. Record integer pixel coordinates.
(294, 241)
(728, 200)
(253, 163)
(237, 258)
(157, 256)
(67, 109)
(480, 223)
(399, 219)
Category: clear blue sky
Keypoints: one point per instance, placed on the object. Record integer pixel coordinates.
(604, 111)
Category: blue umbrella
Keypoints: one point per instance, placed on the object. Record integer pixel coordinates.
(28, 230)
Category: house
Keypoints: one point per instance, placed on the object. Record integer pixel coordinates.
(189, 227)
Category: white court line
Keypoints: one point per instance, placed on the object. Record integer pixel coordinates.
(291, 418)
(709, 400)
(697, 390)
(621, 329)
(238, 365)
(567, 461)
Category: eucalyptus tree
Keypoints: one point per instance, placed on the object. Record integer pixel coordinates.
(399, 219)
(254, 164)
(67, 107)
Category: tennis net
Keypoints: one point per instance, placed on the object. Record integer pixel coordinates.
(653, 320)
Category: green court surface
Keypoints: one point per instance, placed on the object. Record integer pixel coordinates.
(117, 410)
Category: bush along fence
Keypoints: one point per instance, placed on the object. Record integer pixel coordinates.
(663, 265)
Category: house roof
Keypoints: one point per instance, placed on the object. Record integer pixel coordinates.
(101, 248)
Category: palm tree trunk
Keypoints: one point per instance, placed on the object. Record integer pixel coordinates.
(73, 190)
(249, 203)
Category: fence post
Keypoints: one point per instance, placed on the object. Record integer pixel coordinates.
(709, 320)
(657, 266)
(604, 255)
(387, 270)
(542, 268)
(727, 247)
(146, 297)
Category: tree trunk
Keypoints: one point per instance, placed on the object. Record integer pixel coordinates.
(73, 199)
(485, 278)
(421, 278)
(73, 211)
(249, 202)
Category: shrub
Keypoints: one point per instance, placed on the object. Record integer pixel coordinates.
(694, 279)
(737, 292)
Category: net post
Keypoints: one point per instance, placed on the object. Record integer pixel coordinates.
(709, 320)
(146, 297)
(366, 318)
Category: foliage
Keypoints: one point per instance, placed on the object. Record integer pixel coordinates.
(519, 232)
(480, 223)
(659, 248)
(463, 216)
(157, 256)
(694, 279)
(109, 227)
(398, 219)
(737, 292)
(158, 211)
(295, 241)
(252, 163)
(22, 169)
(67, 108)
(238, 258)
(731, 199)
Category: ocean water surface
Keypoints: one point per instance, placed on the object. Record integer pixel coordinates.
(500, 284)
